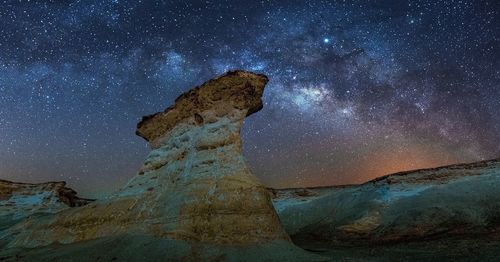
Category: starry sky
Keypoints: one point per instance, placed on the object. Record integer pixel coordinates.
(358, 89)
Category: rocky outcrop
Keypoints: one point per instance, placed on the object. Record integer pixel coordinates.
(235, 95)
(193, 190)
(448, 202)
(20, 200)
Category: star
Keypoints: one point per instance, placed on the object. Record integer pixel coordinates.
(345, 85)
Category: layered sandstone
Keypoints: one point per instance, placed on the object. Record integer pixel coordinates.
(236, 91)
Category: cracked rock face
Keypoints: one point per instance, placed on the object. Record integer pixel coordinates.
(194, 185)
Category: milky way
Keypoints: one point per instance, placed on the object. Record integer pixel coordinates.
(358, 89)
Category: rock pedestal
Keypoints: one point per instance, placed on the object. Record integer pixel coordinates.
(194, 185)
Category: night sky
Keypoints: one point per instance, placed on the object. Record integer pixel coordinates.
(358, 89)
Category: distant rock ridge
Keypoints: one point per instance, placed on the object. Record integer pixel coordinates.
(20, 200)
(58, 189)
(445, 202)
(194, 186)
(409, 176)
(439, 174)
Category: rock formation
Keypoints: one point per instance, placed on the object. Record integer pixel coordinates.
(195, 199)
(20, 200)
(194, 186)
(197, 157)
(448, 202)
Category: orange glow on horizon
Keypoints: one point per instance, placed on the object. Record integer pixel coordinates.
(373, 165)
(388, 162)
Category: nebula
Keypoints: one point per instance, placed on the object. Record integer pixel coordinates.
(357, 89)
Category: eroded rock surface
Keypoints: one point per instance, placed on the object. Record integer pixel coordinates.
(194, 186)
(20, 200)
(222, 97)
(456, 201)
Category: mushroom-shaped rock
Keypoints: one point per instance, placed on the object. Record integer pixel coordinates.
(194, 186)
(198, 168)
(235, 91)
